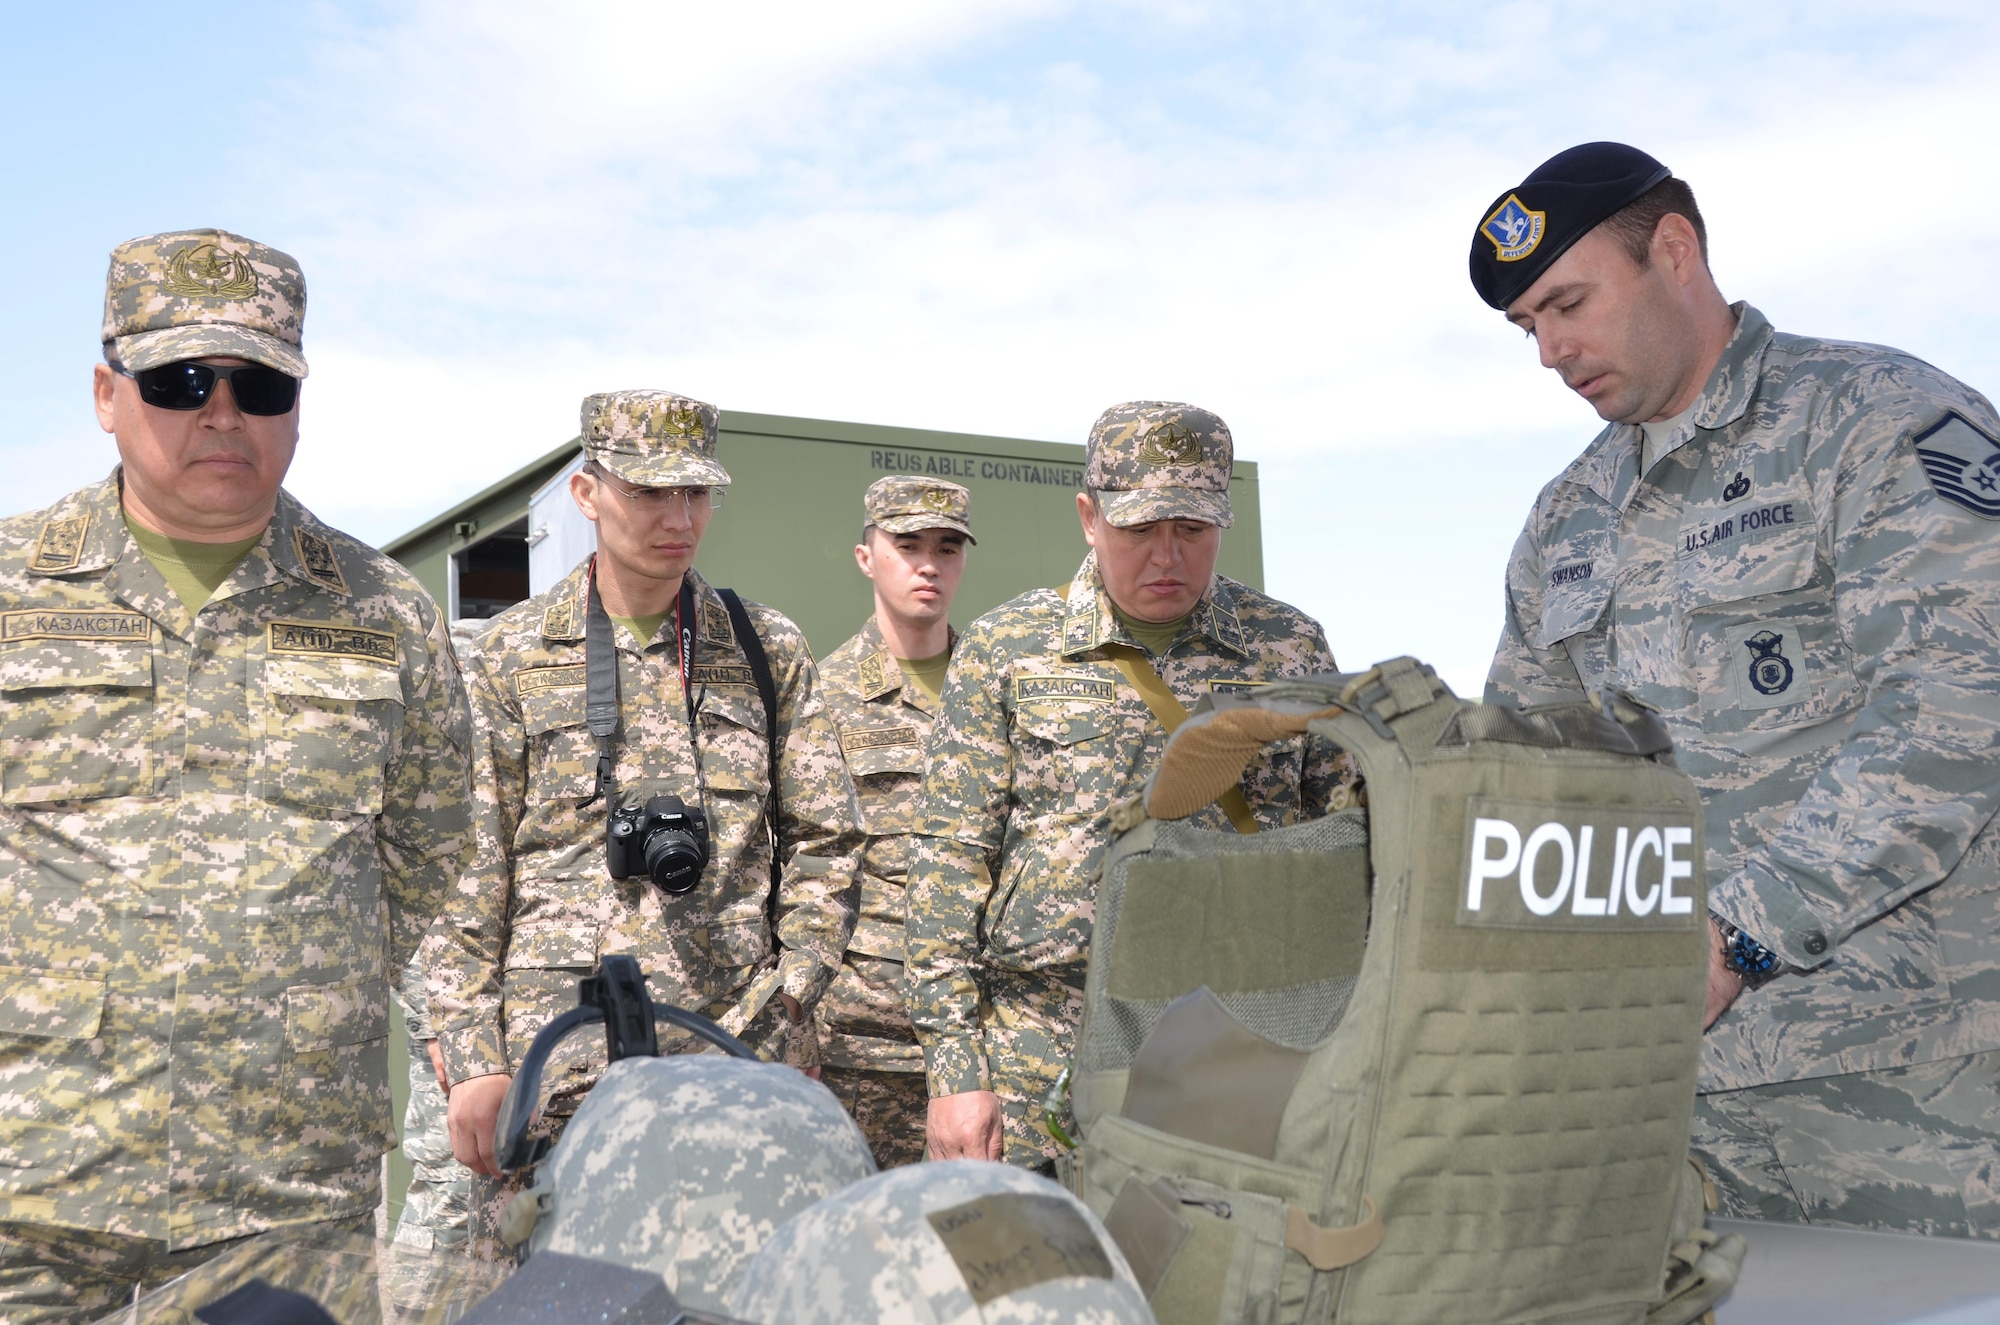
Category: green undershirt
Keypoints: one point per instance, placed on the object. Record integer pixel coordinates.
(194, 571)
(1156, 636)
(928, 673)
(643, 628)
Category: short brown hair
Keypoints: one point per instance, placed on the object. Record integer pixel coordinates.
(1637, 221)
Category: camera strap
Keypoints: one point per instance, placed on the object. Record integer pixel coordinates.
(600, 675)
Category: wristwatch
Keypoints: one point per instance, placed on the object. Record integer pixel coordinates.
(1748, 958)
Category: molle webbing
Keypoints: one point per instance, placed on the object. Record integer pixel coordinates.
(1473, 1008)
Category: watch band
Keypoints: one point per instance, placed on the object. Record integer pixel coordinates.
(1754, 963)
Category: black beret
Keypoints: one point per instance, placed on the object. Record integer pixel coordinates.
(1562, 200)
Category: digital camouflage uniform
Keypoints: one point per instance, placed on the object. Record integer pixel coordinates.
(221, 835)
(867, 1046)
(436, 1205)
(1804, 585)
(538, 906)
(1040, 737)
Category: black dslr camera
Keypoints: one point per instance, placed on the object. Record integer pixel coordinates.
(664, 840)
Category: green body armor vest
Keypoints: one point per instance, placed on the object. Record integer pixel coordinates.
(1429, 1058)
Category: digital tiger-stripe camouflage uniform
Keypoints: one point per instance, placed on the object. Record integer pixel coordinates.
(1806, 585)
(538, 907)
(1039, 739)
(867, 1045)
(222, 833)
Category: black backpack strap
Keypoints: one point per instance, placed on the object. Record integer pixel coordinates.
(767, 690)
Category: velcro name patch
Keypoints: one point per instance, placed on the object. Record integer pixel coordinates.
(1235, 687)
(723, 674)
(1014, 1240)
(319, 640)
(855, 739)
(1088, 689)
(531, 679)
(54, 624)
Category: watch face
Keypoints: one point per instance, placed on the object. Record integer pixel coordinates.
(1750, 958)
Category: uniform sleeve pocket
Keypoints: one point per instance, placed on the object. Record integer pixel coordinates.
(78, 720)
(1571, 610)
(50, 1004)
(330, 723)
(319, 1018)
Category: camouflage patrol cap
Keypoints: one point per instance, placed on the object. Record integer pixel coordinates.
(1156, 460)
(190, 294)
(910, 503)
(653, 438)
(960, 1240)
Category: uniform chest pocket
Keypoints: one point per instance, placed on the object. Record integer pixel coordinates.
(330, 724)
(883, 752)
(562, 754)
(735, 754)
(78, 720)
(1762, 631)
(1067, 727)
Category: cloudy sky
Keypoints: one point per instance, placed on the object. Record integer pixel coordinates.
(989, 217)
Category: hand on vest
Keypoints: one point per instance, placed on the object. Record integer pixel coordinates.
(1723, 984)
(472, 1116)
(964, 1126)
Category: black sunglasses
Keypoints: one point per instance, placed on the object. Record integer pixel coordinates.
(189, 385)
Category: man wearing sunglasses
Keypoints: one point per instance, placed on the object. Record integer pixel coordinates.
(233, 791)
(752, 945)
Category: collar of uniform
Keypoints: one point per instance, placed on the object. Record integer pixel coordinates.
(1089, 622)
(876, 670)
(300, 546)
(84, 533)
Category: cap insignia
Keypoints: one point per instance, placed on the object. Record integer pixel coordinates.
(316, 555)
(206, 272)
(1170, 444)
(1514, 230)
(61, 545)
(936, 499)
(686, 423)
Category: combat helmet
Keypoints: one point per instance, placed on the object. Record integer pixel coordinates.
(682, 1165)
(950, 1243)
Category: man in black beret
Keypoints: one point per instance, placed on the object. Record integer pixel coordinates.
(1789, 547)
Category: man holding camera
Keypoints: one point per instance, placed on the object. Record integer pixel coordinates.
(650, 835)
(883, 687)
(233, 793)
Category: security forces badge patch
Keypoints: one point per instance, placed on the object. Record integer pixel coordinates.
(1963, 463)
(1514, 230)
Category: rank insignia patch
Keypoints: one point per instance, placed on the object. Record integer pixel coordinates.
(1963, 464)
(1514, 230)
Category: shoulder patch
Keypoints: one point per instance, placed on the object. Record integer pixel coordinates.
(320, 640)
(61, 545)
(316, 555)
(82, 625)
(854, 739)
(715, 623)
(724, 674)
(1963, 464)
(568, 676)
(1089, 689)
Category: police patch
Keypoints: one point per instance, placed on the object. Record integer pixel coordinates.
(1963, 464)
(1088, 689)
(314, 639)
(83, 625)
(1514, 230)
